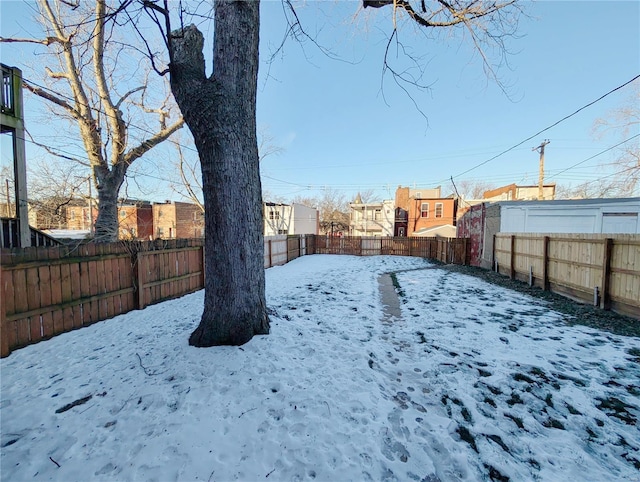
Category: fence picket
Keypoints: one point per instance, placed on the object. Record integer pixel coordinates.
(50, 291)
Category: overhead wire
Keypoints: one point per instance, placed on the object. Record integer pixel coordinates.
(547, 128)
(311, 186)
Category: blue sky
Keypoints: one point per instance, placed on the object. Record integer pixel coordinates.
(339, 130)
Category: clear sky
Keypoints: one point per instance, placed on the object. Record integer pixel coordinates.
(339, 130)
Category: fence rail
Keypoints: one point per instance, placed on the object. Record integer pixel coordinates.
(46, 291)
(600, 269)
(445, 250)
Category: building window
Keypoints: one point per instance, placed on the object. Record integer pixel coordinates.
(160, 232)
(424, 210)
(378, 214)
(282, 231)
(123, 213)
(274, 215)
(73, 215)
(438, 210)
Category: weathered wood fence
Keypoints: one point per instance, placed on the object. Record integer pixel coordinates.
(48, 291)
(603, 269)
(445, 250)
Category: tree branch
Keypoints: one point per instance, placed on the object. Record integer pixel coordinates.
(51, 98)
(148, 144)
(132, 91)
(47, 41)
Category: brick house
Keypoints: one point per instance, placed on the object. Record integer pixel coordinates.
(135, 219)
(424, 212)
(174, 219)
(78, 215)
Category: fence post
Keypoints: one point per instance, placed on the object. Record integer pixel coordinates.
(545, 263)
(512, 265)
(493, 252)
(4, 340)
(139, 275)
(605, 302)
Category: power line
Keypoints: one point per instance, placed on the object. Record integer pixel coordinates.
(596, 155)
(545, 129)
(378, 185)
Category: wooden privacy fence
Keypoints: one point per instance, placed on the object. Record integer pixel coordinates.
(281, 249)
(603, 269)
(445, 250)
(48, 291)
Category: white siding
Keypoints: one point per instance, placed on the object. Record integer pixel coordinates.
(596, 216)
(304, 220)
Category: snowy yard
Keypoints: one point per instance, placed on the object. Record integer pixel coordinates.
(473, 382)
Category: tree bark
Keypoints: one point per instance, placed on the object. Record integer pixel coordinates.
(108, 184)
(221, 113)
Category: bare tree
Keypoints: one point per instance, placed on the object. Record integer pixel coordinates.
(220, 111)
(188, 166)
(620, 123)
(54, 185)
(333, 207)
(473, 189)
(367, 196)
(87, 87)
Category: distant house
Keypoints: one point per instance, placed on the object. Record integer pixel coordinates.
(135, 219)
(173, 219)
(582, 216)
(510, 192)
(289, 219)
(79, 215)
(424, 212)
(514, 192)
(371, 219)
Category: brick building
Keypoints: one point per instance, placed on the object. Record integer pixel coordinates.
(421, 211)
(135, 219)
(174, 219)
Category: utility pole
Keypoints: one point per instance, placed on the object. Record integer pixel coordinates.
(540, 149)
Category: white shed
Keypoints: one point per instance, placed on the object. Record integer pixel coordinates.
(571, 216)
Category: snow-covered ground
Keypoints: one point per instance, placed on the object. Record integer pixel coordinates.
(473, 382)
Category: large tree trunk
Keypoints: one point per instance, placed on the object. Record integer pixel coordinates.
(108, 187)
(221, 113)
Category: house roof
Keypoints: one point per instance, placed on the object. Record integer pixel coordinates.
(572, 202)
(446, 230)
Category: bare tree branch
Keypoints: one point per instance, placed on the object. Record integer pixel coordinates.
(47, 41)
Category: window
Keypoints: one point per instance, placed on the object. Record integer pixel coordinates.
(123, 213)
(160, 232)
(73, 215)
(274, 215)
(378, 214)
(438, 210)
(424, 210)
(282, 231)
